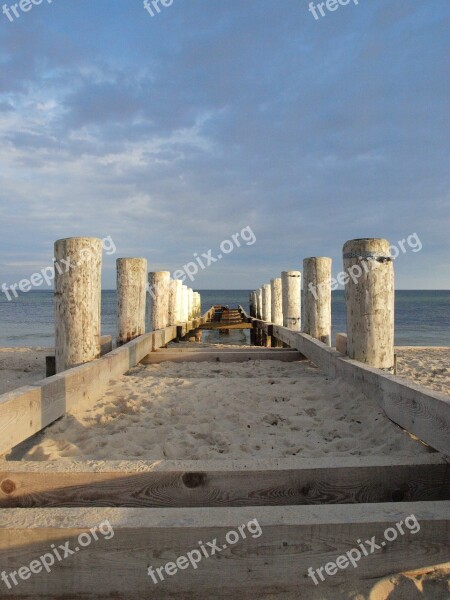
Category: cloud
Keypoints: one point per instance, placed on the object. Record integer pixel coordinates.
(171, 133)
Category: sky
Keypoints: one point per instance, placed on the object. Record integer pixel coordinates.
(169, 134)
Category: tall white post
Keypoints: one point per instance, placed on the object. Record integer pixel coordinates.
(131, 298)
(266, 303)
(185, 304)
(172, 302)
(369, 295)
(291, 299)
(277, 301)
(77, 301)
(317, 298)
(190, 303)
(178, 300)
(159, 299)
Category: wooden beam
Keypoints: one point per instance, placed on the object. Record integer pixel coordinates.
(221, 356)
(223, 483)
(280, 545)
(212, 326)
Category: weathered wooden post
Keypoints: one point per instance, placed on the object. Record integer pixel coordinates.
(190, 303)
(369, 295)
(77, 301)
(266, 303)
(178, 300)
(185, 304)
(317, 298)
(159, 299)
(197, 305)
(131, 298)
(259, 303)
(253, 304)
(250, 303)
(291, 299)
(172, 319)
(277, 301)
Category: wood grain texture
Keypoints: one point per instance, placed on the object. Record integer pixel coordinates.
(291, 299)
(274, 558)
(131, 298)
(369, 298)
(219, 356)
(199, 483)
(77, 301)
(276, 299)
(317, 298)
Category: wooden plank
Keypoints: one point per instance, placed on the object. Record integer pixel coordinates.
(205, 349)
(280, 545)
(219, 356)
(220, 325)
(223, 483)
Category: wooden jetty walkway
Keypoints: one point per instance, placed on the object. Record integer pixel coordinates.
(225, 318)
(310, 511)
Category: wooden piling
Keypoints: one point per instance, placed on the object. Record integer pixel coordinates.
(276, 301)
(77, 301)
(178, 300)
(197, 304)
(172, 319)
(369, 295)
(317, 298)
(259, 303)
(251, 304)
(291, 299)
(185, 304)
(266, 303)
(131, 298)
(159, 299)
(190, 303)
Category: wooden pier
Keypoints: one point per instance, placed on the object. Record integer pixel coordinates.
(310, 510)
(224, 319)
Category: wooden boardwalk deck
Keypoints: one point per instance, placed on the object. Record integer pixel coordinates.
(225, 318)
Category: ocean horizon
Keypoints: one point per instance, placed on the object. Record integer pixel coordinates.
(422, 317)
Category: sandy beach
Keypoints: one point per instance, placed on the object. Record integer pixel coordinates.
(425, 366)
(21, 366)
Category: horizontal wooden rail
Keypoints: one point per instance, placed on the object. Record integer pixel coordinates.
(223, 483)
(222, 355)
(421, 411)
(280, 545)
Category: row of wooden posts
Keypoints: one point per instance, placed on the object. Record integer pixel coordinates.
(368, 277)
(78, 301)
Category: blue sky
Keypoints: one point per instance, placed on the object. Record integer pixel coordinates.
(171, 133)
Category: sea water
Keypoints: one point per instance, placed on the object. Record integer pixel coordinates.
(422, 318)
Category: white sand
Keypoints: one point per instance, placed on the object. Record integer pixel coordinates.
(259, 409)
(21, 366)
(425, 366)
